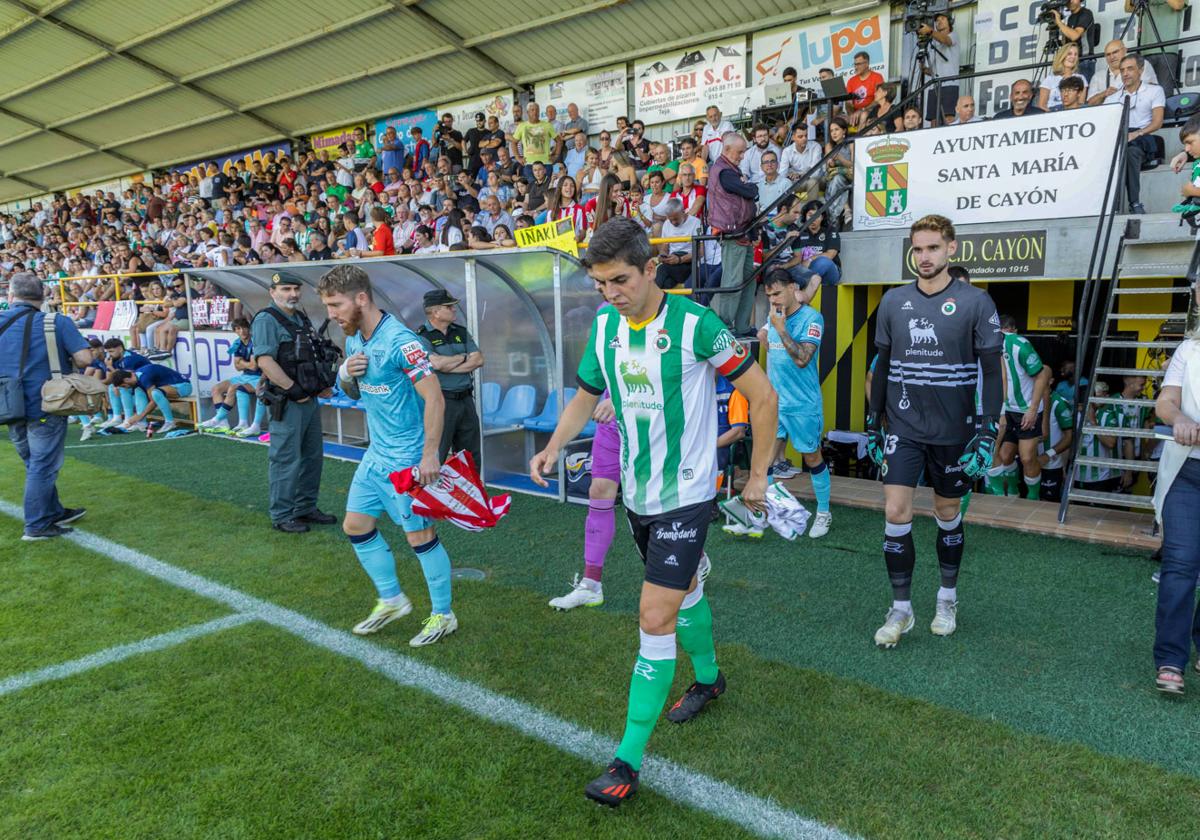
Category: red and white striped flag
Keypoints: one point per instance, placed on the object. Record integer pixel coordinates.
(457, 496)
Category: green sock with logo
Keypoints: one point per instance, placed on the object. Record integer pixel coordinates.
(649, 686)
(695, 631)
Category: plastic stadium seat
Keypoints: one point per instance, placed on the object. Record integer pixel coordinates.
(519, 404)
(491, 398)
(548, 419)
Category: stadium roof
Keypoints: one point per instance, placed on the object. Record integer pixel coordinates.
(95, 89)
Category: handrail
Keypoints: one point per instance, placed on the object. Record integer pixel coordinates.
(1087, 305)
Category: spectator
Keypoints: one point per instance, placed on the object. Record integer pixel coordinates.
(536, 138)
(564, 204)
(636, 146)
(653, 208)
(689, 192)
(318, 247)
(943, 63)
(449, 141)
(363, 151)
(381, 237)
(1077, 28)
(911, 119)
(715, 128)
(731, 207)
(502, 237)
(39, 438)
(167, 332)
(576, 156)
(817, 246)
(799, 158)
(1107, 82)
(964, 111)
(575, 125)
(452, 231)
(609, 202)
(660, 155)
(689, 155)
(675, 258)
(493, 215)
(883, 107)
(606, 151)
(392, 151)
(1064, 66)
(839, 171)
(590, 174)
(1072, 92)
(1146, 106)
(751, 162)
(771, 185)
(478, 239)
(1020, 97)
(863, 82)
(424, 240)
(539, 187)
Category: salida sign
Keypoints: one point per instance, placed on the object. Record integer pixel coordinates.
(681, 85)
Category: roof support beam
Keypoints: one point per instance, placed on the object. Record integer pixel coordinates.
(25, 23)
(451, 37)
(570, 14)
(58, 132)
(145, 65)
(177, 24)
(39, 187)
(53, 77)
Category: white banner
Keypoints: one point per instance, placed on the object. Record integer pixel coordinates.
(1007, 35)
(830, 42)
(213, 361)
(498, 105)
(1044, 166)
(680, 85)
(600, 95)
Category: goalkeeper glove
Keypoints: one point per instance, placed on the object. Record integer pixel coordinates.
(977, 457)
(875, 439)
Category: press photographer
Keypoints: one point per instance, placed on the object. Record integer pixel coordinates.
(938, 57)
(449, 141)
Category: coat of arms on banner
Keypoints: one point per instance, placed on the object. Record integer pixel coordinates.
(886, 188)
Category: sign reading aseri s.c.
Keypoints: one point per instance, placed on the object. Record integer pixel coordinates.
(1044, 166)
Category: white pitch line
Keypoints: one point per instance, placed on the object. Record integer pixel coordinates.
(119, 653)
(674, 781)
(124, 442)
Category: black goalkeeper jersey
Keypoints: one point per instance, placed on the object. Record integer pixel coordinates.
(934, 343)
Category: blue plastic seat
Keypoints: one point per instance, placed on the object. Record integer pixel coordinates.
(518, 406)
(548, 418)
(491, 398)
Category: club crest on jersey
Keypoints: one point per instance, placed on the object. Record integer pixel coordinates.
(634, 375)
(949, 307)
(662, 343)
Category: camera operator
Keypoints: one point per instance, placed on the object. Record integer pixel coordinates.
(942, 61)
(1077, 28)
(1168, 25)
(449, 141)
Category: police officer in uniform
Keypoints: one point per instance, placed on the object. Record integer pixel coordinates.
(286, 349)
(454, 355)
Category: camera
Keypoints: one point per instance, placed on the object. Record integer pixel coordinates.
(918, 13)
(1046, 10)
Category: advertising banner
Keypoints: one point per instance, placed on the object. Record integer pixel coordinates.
(1008, 34)
(498, 105)
(424, 119)
(213, 360)
(1044, 166)
(991, 256)
(328, 141)
(812, 44)
(680, 85)
(600, 95)
(225, 162)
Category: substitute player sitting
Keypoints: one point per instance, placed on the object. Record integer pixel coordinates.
(793, 337)
(386, 367)
(935, 336)
(658, 355)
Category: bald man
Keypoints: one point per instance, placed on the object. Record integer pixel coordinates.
(964, 111)
(1107, 80)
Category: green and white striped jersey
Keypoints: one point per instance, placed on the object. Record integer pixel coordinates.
(1060, 420)
(662, 379)
(1021, 365)
(1091, 447)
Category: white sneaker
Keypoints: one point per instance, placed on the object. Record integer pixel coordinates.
(820, 526)
(383, 615)
(945, 621)
(251, 431)
(585, 592)
(705, 567)
(112, 421)
(139, 426)
(434, 628)
(894, 626)
(736, 529)
(214, 424)
(164, 428)
(89, 429)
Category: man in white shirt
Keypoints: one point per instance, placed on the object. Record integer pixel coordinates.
(771, 184)
(714, 129)
(751, 166)
(799, 157)
(964, 111)
(675, 260)
(1107, 80)
(942, 63)
(1146, 106)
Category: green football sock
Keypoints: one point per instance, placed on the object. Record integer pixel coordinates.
(694, 631)
(993, 483)
(965, 503)
(648, 689)
(1033, 487)
(1012, 481)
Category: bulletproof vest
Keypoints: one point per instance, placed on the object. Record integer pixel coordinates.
(307, 356)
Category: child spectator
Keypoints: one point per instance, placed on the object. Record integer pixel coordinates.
(1189, 135)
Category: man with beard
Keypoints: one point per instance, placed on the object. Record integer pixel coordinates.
(388, 369)
(936, 337)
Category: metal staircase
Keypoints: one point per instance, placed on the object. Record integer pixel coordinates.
(1144, 251)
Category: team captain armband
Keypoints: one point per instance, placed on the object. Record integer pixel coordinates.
(729, 357)
(415, 361)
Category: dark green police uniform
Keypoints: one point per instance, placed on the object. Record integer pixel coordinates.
(296, 453)
(460, 428)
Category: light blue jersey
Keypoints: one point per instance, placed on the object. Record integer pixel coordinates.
(396, 362)
(799, 388)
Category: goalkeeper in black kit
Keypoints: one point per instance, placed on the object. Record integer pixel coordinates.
(936, 337)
